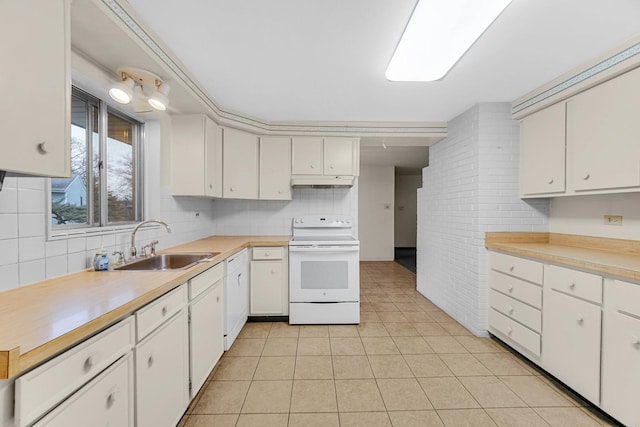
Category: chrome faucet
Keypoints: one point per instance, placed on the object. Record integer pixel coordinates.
(133, 251)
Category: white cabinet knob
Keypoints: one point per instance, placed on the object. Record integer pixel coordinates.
(330, 166)
(635, 340)
(510, 309)
(210, 185)
(550, 181)
(164, 311)
(512, 267)
(579, 318)
(111, 399)
(89, 362)
(230, 188)
(267, 254)
(150, 361)
(313, 166)
(510, 288)
(42, 148)
(572, 286)
(217, 299)
(509, 331)
(279, 191)
(586, 176)
(273, 272)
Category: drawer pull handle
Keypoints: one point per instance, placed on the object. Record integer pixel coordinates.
(164, 311)
(150, 361)
(510, 310)
(510, 288)
(42, 148)
(313, 166)
(586, 176)
(267, 254)
(509, 330)
(512, 267)
(89, 362)
(635, 340)
(217, 299)
(580, 318)
(572, 286)
(550, 181)
(111, 399)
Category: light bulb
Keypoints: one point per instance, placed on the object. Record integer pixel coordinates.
(122, 92)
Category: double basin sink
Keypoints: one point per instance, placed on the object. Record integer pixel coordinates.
(168, 261)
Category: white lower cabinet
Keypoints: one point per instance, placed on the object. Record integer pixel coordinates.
(206, 325)
(269, 290)
(621, 352)
(571, 342)
(162, 374)
(107, 400)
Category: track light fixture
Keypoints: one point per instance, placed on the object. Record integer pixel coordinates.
(140, 84)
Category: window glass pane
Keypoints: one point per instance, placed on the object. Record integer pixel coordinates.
(120, 173)
(95, 138)
(69, 196)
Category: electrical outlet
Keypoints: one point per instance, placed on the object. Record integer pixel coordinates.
(613, 219)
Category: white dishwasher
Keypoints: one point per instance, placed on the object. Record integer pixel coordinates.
(236, 296)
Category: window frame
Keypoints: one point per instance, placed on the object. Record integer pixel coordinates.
(103, 226)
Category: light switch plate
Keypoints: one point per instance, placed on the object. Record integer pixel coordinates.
(613, 219)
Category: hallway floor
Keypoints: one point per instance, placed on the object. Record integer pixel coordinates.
(407, 364)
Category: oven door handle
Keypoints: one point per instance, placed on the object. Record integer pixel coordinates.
(310, 249)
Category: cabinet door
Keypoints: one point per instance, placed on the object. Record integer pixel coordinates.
(162, 375)
(213, 156)
(542, 152)
(36, 133)
(107, 400)
(275, 168)
(621, 367)
(206, 335)
(268, 288)
(240, 165)
(196, 156)
(571, 342)
(339, 156)
(603, 135)
(307, 155)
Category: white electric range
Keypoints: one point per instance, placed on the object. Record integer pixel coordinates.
(324, 271)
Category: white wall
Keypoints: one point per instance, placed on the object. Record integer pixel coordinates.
(376, 201)
(254, 217)
(406, 211)
(584, 215)
(470, 187)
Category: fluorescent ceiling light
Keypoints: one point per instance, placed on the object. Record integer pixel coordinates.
(439, 32)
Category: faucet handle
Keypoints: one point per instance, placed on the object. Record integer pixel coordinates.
(152, 245)
(120, 257)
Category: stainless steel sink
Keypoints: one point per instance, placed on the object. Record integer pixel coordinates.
(170, 261)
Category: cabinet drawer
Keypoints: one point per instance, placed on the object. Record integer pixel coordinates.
(268, 253)
(577, 283)
(516, 288)
(155, 313)
(516, 310)
(107, 400)
(204, 280)
(623, 296)
(522, 336)
(518, 267)
(44, 387)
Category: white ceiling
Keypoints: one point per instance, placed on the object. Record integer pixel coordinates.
(325, 60)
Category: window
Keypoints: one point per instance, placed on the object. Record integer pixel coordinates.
(104, 187)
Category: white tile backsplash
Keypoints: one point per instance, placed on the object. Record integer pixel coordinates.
(31, 224)
(56, 266)
(32, 271)
(9, 276)
(8, 226)
(31, 248)
(8, 251)
(8, 199)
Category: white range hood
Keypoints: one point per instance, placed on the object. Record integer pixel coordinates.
(322, 181)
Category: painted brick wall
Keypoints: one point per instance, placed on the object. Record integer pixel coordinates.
(470, 187)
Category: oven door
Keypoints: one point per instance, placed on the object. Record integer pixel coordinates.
(324, 273)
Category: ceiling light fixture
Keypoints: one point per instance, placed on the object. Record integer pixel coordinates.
(140, 85)
(439, 32)
(122, 91)
(159, 99)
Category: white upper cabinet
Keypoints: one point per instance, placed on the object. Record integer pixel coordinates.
(307, 155)
(275, 168)
(36, 135)
(603, 135)
(240, 160)
(340, 156)
(542, 152)
(196, 156)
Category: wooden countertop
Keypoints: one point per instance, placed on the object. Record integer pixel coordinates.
(615, 257)
(40, 320)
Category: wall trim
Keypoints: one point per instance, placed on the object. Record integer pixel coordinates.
(126, 16)
(608, 66)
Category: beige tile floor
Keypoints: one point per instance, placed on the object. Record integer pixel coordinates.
(407, 364)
